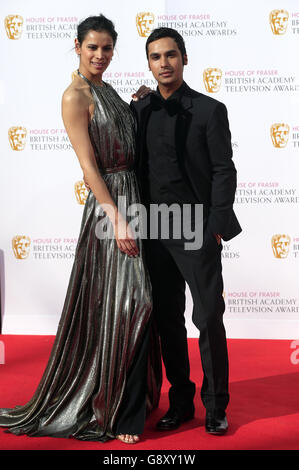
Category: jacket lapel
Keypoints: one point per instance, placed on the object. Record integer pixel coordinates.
(183, 124)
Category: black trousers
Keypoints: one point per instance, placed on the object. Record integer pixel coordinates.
(170, 265)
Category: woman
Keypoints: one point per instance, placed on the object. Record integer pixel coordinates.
(99, 379)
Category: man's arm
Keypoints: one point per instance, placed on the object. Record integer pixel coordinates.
(224, 179)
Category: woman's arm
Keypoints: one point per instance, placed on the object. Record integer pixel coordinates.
(75, 116)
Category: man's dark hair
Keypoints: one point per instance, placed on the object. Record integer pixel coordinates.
(160, 33)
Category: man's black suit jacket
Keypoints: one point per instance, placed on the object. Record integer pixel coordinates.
(203, 145)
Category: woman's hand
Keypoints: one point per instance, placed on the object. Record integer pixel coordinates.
(142, 92)
(86, 184)
(122, 232)
(124, 237)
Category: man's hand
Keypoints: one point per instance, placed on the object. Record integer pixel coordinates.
(218, 238)
(142, 92)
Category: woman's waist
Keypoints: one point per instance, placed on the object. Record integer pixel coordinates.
(116, 169)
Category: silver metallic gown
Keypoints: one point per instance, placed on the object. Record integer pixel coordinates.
(99, 362)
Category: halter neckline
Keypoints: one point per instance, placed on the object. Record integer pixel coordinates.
(89, 82)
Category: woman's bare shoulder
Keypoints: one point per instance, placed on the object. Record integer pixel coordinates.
(76, 94)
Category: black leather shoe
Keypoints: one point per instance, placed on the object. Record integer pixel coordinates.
(216, 422)
(174, 418)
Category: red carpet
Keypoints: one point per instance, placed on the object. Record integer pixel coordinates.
(263, 412)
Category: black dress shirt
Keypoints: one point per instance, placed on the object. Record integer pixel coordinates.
(166, 182)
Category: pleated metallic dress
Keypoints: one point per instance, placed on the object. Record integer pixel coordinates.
(104, 370)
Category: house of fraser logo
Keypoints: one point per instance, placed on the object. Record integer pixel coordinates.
(41, 27)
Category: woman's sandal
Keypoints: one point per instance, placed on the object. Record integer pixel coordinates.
(128, 438)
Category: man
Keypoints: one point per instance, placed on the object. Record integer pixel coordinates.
(185, 157)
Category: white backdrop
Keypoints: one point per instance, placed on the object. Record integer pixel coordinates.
(256, 76)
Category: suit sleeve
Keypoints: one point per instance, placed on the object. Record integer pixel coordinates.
(224, 178)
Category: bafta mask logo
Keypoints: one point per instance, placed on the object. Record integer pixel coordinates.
(279, 21)
(145, 23)
(281, 245)
(81, 192)
(14, 26)
(17, 137)
(21, 246)
(74, 74)
(280, 134)
(212, 79)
